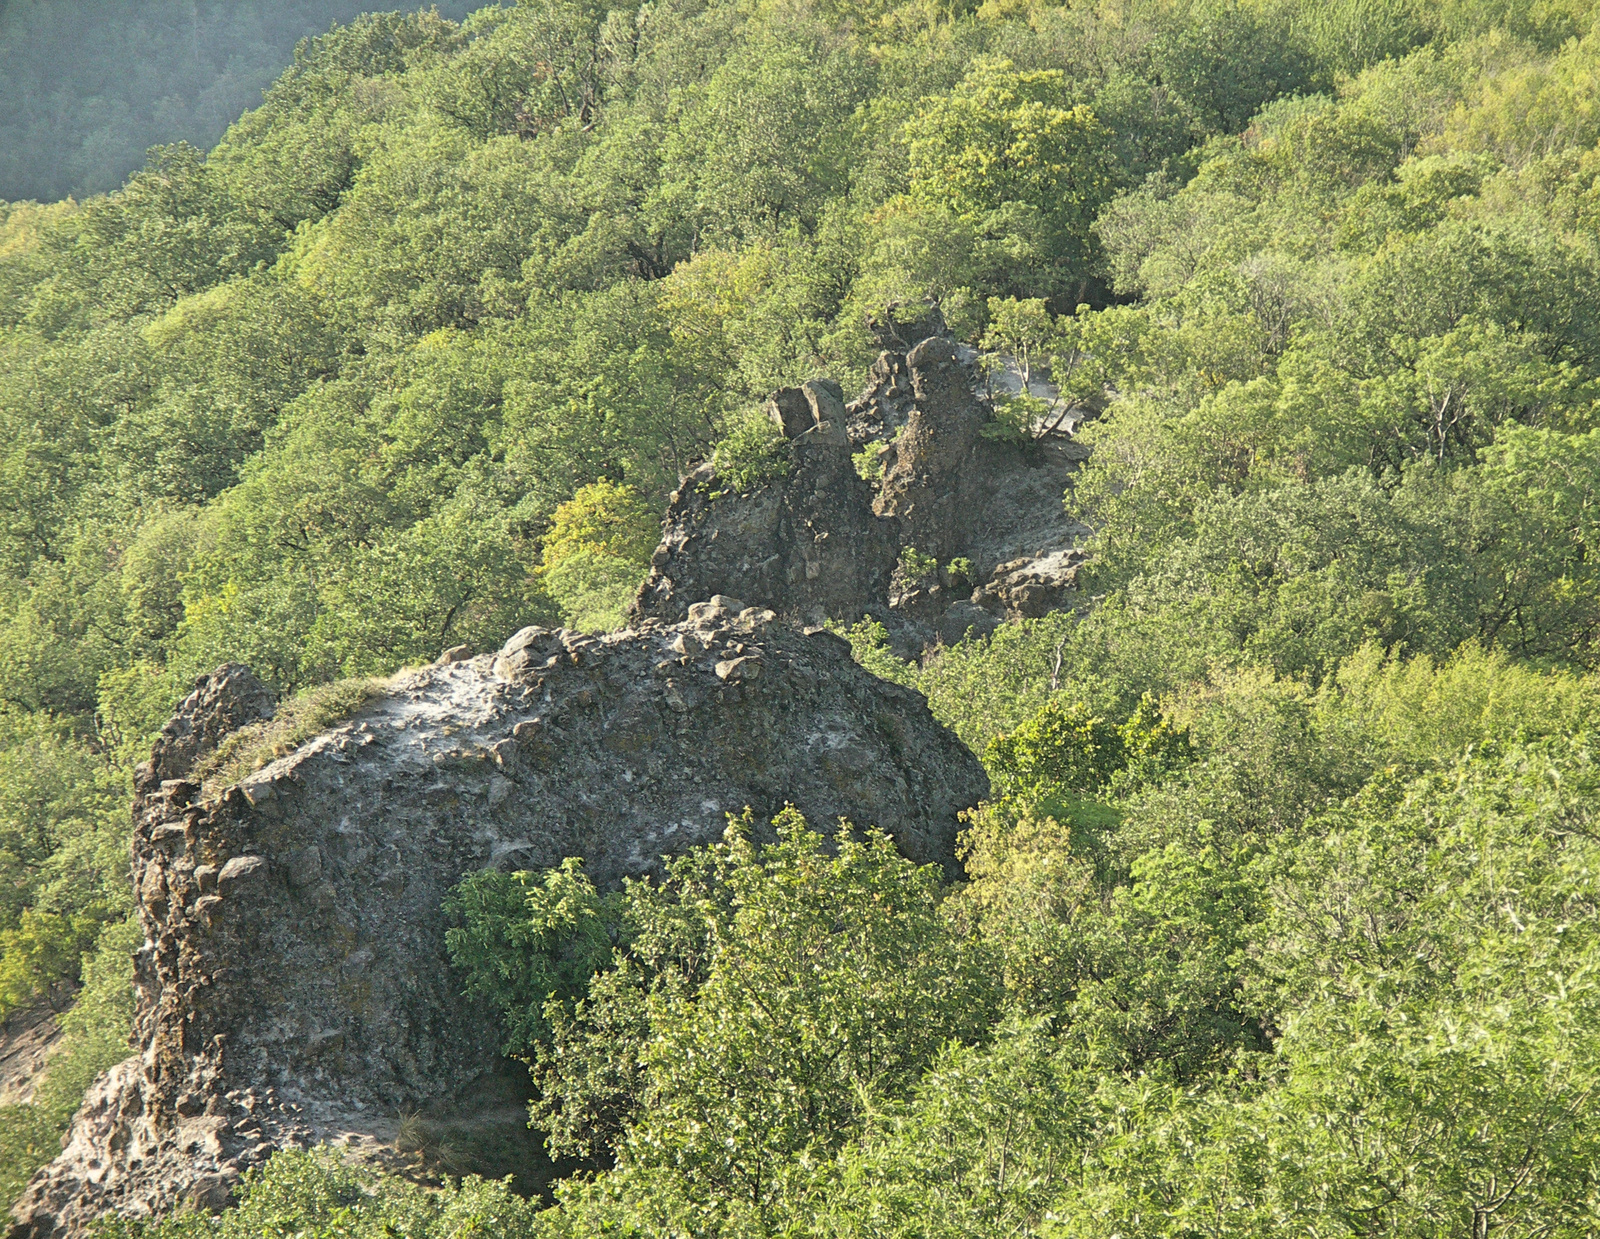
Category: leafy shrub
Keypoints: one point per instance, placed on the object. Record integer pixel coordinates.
(605, 518)
(43, 950)
(869, 646)
(317, 1193)
(753, 453)
(914, 565)
(1014, 418)
(801, 982)
(64, 828)
(593, 589)
(597, 552)
(868, 463)
(1063, 746)
(527, 940)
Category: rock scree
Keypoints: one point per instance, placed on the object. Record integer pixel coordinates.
(294, 987)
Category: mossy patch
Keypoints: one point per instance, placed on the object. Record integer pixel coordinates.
(305, 715)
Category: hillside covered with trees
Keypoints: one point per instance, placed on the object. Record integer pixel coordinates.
(1282, 918)
(86, 92)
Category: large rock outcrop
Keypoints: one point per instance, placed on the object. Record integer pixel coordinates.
(294, 986)
(811, 547)
(822, 543)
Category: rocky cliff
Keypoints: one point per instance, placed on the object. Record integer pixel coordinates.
(293, 985)
(822, 543)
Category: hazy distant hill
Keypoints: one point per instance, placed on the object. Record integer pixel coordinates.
(86, 86)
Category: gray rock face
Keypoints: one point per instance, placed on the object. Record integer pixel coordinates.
(823, 544)
(884, 406)
(935, 482)
(294, 985)
(809, 548)
(222, 702)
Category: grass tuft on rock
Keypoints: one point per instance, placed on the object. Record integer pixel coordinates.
(302, 717)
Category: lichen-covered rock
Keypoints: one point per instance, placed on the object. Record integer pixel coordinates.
(294, 986)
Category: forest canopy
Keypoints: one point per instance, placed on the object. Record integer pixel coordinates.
(1283, 909)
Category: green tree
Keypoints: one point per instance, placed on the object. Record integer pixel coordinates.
(526, 939)
(1013, 169)
(766, 1001)
(597, 552)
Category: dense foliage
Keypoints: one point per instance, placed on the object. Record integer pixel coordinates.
(1281, 919)
(1313, 960)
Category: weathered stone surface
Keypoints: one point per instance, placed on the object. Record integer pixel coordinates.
(815, 408)
(884, 406)
(935, 484)
(823, 544)
(29, 1038)
(962, 619)
(808, 549)
(294, 986)
(222, 702)
(1032, 586)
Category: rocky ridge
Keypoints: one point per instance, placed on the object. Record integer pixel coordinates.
(824, 543)
(293, 985)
